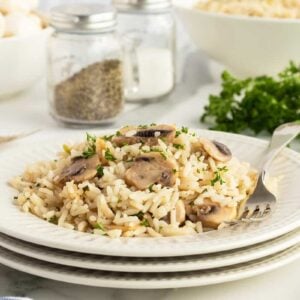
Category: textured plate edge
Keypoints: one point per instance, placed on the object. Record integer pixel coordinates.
(251, 270)
(168, 267)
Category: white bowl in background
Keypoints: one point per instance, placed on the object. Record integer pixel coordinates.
(22, 62)
(247, 46)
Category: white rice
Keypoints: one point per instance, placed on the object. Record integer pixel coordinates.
(108, 206)
(255, 8)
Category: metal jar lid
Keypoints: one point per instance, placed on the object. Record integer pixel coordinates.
(142, 5)
(83, 18)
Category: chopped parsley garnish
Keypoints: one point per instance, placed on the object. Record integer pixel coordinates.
(100, 171)
(151, 187)
(178, 146)
(184, 129)
(153, 124)
(118, 133)
(109, 156)
(108, 137)
(90, 138)
(91, 148)
(145, 223)
(67, 149)
(53, 220)
(161, 152)
(88, 152)
(174, 171)
(140, 215)
(86, 188)
(218, 176)
(143, 126)
(257, 104)
(99, 226)
(178, 133)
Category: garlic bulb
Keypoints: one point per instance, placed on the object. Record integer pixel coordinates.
(19, 24)
(25, 6)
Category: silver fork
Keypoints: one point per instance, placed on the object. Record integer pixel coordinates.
(263, 202)
(9, 138)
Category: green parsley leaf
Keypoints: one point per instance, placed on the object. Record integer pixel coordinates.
(143, 126)
(178, 133)
(100, 171)
(184, 129)
(218, 176)
(109, 156)
(108, 137)
(90, 138)
(178, 146)
(161, 152)
(140, 215)
(86, 188)
(151, 187)
(53, 220)
(99, 226)
(90, 151)
(91, 148)
(145, 223)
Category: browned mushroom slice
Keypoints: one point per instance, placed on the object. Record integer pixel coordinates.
(148, 169)
(216, 150)
(149, 136)
(80, 169)
(211, 214)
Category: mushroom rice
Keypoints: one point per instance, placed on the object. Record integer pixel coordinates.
(155, 180)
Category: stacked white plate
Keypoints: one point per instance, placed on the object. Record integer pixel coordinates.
(38, 247)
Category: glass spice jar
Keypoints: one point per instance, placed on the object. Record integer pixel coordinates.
(85, 69)
(147, 28)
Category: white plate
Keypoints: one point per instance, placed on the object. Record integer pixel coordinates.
(149, 265)
(44, 146)
(147, 280)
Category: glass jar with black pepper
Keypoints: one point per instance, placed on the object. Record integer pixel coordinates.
(85, 70)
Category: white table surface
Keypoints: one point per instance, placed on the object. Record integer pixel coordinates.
(184, 106)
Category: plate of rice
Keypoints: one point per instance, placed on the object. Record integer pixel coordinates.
(149, 191)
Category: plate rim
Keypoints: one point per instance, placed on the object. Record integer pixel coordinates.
(154, 265)
(207, 277)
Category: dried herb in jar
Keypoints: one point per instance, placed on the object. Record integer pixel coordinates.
(95, 93)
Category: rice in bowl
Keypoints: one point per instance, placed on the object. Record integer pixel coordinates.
(151, 181)
(283, 9)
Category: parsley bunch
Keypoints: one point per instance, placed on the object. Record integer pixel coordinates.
(255, 104)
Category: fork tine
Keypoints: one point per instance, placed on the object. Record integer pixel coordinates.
(262, 214)
(245, 213)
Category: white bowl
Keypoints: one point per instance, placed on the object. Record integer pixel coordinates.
(22, 62)
(247, 46)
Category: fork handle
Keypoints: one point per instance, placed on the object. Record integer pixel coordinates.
(281, 137)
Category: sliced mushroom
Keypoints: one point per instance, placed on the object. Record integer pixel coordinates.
(212, 214)
(149, 136)
(216, 150)
(150, 168)
(80, 169)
